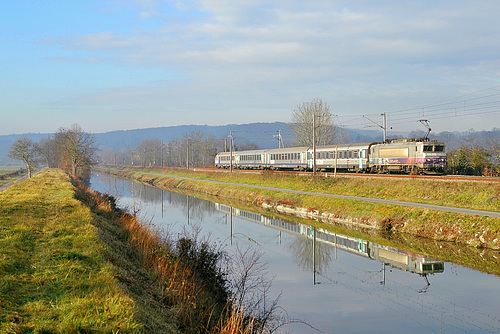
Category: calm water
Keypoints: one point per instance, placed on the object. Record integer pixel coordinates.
(335, 283)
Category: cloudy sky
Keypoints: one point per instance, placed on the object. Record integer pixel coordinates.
(110, 65)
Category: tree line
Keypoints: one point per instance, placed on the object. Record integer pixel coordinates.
(194, 149)
(71, 149)
(474, 158)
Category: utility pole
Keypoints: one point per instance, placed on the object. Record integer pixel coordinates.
(187, 153)
(385, 126)
(231, 151)
(314, 142)
(280, 139)
(161, 153)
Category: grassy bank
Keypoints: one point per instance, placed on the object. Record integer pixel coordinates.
(462, 194)
(53, 275)
(467, 229)
(71, 261)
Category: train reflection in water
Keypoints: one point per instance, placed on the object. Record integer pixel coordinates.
(394, 257)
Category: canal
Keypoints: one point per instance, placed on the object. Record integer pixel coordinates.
(329, 282)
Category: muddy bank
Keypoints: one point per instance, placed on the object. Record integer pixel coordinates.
(476, 231)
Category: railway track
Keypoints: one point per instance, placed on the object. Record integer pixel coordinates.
(394, 176)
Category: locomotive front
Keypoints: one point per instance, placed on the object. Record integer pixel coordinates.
(433, 156)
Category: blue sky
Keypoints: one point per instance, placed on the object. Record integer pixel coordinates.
(110, 65)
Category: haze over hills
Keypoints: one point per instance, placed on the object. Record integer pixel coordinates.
(261, 134)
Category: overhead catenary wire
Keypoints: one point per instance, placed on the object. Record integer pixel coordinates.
(459, 107)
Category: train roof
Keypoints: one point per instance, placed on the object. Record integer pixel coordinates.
(344, 146)
(301, 149)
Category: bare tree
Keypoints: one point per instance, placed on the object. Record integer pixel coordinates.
(75, 150)
(46, 148)
(149, 152)
(309, 114)
(25, 149)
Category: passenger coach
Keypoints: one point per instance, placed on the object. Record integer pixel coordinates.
(407, 155)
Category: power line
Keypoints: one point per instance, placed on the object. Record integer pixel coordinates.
(455, 107)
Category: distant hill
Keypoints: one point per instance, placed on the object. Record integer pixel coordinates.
(260, 134)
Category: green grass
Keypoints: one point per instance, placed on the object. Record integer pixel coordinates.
(53, 276)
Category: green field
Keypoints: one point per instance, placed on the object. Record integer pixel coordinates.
(5, 170)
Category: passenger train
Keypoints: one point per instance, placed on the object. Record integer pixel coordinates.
(408, 155)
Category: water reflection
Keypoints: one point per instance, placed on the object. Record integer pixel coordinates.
(365, 286)
(314, 250)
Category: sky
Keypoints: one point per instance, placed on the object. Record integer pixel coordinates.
(117, 65)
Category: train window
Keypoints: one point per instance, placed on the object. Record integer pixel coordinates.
(438, 266)
(427, 266)
(427, 148)
(354, 154)
(439, 148)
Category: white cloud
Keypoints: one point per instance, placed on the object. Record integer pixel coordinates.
(263, 55)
